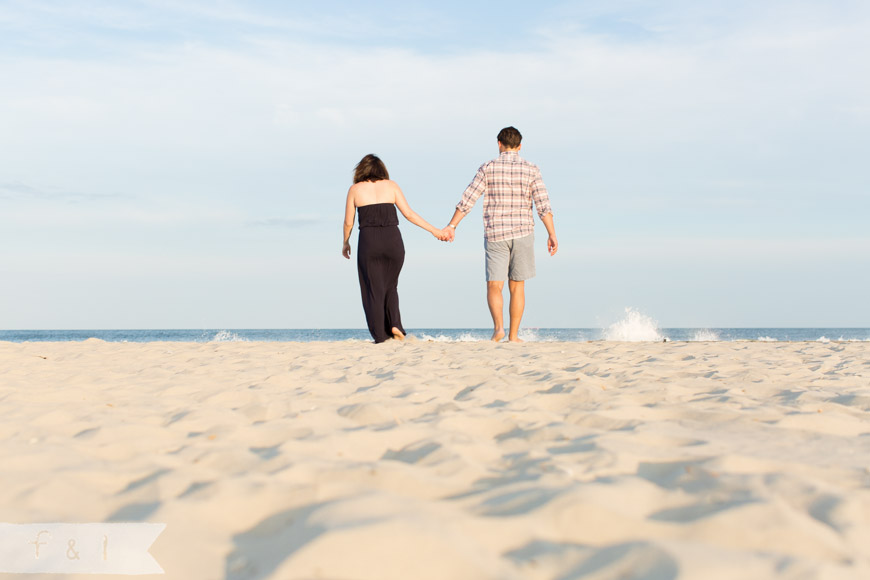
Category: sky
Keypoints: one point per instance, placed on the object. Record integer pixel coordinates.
(185, 164)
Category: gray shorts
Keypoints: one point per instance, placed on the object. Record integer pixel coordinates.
(513, 259)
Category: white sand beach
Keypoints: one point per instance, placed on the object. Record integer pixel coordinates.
(423, 460)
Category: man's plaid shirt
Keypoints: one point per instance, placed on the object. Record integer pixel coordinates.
(509, 185)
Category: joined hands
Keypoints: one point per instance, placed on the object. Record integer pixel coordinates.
(445, 235)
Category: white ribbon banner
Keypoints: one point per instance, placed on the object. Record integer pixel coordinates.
(99, 548)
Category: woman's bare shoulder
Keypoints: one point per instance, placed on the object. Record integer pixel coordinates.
(358, 188)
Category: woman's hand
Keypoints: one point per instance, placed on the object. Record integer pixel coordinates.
(345, 250)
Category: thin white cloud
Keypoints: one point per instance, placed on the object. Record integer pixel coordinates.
(196, 105)
(289, 222)
(608, 86)
(64, 17)
(743, 251)
(24, 192)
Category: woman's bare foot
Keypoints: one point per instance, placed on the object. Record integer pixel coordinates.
(498, 335)
(516, 339)
(398, 334)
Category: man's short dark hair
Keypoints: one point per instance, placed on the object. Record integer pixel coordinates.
(510, 137)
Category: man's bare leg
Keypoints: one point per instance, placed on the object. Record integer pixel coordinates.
(496, 308)
(518, 304)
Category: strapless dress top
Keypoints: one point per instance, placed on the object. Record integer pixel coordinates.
(377, 215)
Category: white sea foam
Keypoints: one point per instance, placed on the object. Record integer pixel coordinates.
(532, 335)
(766, 339)
(705, 336)
(227, 336)
(635, 327)
(526, 334)
(464, 337)
(823, 339)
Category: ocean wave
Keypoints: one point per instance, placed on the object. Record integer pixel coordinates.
(635, 327)
(464, 337)
(227, 336)
(705, 335)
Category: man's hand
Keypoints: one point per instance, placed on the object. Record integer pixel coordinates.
(552, 244)
(345, 250)
(449, 234)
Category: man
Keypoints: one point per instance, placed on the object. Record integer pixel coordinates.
(509, 185)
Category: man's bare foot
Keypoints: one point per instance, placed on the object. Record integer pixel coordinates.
(497, 335)
(398, 334)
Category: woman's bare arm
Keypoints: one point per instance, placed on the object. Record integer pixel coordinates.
(412, 216)
(349, 215)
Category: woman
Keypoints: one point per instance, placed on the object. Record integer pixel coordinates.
(381, 252)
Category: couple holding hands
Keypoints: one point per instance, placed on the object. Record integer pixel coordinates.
(509, 186)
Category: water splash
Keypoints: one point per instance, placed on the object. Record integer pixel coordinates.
(534, 335)
(464, 337)
(227, 336)
(705, 335)
(635, 327)
(526, 334)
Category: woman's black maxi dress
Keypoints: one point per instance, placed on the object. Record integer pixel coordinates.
(380, 255)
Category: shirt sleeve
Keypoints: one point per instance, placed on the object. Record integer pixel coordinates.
(540, 195)
(472, 192)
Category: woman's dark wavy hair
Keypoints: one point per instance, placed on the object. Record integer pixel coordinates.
(370, 168)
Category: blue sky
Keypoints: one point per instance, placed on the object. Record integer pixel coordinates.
(184, 164)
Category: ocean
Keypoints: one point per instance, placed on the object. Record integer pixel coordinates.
(617, 332)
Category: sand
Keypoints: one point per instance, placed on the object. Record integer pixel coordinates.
(421, 460)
